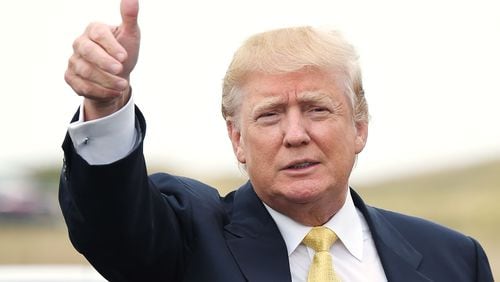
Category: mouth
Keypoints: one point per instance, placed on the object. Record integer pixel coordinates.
(301, 165)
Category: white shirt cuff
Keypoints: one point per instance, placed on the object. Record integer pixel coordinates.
(105, 140)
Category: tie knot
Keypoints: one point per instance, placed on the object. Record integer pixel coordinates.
(320, 239)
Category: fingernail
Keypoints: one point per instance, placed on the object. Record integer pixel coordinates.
(122, 84)
(116, 68)
(121, 57)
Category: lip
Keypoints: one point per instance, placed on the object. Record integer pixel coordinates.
(300, 165)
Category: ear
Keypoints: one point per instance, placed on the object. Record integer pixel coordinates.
(235, 136)
(361, 136)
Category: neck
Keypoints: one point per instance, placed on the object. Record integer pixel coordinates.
(310, 214)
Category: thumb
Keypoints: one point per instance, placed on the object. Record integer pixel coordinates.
(129, 10)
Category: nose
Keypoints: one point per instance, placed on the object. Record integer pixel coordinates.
(295, 131)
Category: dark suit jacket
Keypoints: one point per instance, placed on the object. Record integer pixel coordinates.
(132, 227)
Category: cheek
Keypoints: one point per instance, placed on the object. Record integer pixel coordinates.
(337, 142)
(261, 150)
(266, 139)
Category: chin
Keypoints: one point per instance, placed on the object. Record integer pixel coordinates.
(303, 194)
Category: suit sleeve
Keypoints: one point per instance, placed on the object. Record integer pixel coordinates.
(117, 219)
(482, 265)
(107, 139)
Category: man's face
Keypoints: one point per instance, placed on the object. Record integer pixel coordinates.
(297, 138)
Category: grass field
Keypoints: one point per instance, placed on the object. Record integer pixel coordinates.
(463, 199)
(466, 200)
(37, 244)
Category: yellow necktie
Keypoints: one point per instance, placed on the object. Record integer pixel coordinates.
(321, 239)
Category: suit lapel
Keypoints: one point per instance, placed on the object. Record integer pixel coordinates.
(399, 259)
(255, 241)
(260, 251)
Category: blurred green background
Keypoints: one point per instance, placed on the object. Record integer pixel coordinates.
(464, 199)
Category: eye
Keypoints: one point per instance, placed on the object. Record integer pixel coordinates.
(268, 114)
(267, 117)
(319, 110)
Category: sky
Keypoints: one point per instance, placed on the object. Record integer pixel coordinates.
(430, 73)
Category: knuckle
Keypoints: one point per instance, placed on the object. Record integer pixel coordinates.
(68, 77)
(92, 26)
(71, 62)
(97, 34)
(79, 67)
(84, 90)
(83, 70)
(84, 48)
(77, 84)
(79, 88)
(77, 43)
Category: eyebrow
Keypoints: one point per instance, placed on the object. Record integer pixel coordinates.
(304, 97)
(314, 96)
(269, 103)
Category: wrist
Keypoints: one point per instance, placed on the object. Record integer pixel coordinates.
(95, 109)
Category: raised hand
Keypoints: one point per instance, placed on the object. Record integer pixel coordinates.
(103, 58)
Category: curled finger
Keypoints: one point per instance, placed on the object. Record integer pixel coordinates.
(94, 54)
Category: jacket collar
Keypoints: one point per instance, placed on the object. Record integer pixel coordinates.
(260, 251)
(399, 259)
(254, 239)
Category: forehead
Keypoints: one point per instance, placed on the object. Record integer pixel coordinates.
(303, 85)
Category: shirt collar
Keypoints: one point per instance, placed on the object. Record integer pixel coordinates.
(346, 223)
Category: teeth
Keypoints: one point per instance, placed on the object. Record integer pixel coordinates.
(302, 165)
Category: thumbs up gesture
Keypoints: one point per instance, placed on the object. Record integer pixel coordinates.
(103, 58)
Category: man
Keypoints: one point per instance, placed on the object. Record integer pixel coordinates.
(297, 117)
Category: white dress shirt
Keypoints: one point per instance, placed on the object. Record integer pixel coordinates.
(354, 255)
(105, 140)
(355, 258)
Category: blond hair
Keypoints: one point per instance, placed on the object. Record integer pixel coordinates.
(289, 50)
